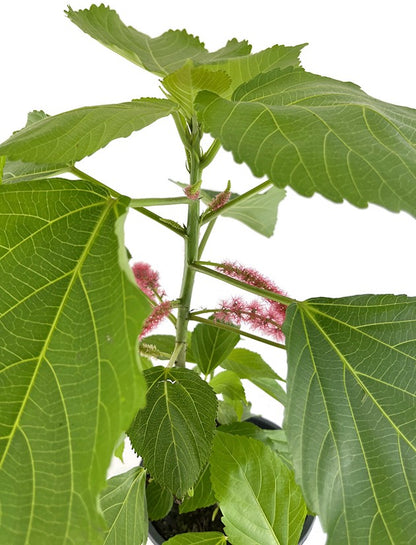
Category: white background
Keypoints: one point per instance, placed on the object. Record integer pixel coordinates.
(319, 248)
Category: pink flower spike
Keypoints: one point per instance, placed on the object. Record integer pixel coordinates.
(249, 276)
(147, 279)
(157, 315)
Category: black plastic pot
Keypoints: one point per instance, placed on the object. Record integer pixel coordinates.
(265, 424)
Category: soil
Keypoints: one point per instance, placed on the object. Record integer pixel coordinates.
(199, 520)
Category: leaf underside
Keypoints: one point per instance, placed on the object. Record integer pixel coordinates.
(70, 136)
(211, 346)
(124, 508)
(173, 433)
(350, 418)
(198, 538)
(320, 135)
(161, 55)
(69, 376)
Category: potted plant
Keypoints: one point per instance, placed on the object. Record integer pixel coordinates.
(82, 364)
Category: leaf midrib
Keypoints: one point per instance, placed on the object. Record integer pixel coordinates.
(42, 356)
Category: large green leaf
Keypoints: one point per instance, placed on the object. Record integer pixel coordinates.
(350, 418)
(319, 135)
(257, 493)
(198, 538)
(211, 345)
(173, 433)
(160, 55)
(124, 507)
(71, 136)
(259, 212)
(69, 377)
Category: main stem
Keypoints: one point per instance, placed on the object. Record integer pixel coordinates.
(191, 245)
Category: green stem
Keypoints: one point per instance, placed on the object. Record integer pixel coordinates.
(209, 216)
(191, 247)
(247, 287)
(229, 327)
(84, 176)
(205, 237)
(158, 201)
(173, 226)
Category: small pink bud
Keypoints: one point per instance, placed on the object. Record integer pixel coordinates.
(192, 192)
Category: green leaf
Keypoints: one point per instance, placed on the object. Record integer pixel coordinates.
(248, 364)
(203, 494)
(119, 448)
(159, 501)
(351, 414)
(271, 387)
(166, 345)
(258, 496)
(184, 84)
(198, 538)
(20, 171)
(71, 136)
(70, 381)
(229, 385)
(319, 135)
(243, 69)
(2, 163)
(258, 212)
(161, 55)
(173, 433)
(124, 507)
(211, 346)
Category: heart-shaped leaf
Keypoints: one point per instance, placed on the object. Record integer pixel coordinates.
(350, 418)
(173, 433)
(70, 381)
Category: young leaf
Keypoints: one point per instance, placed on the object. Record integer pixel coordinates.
(161, 55)
(159, 501)
(184, 84)
(166, 345)
(124, 507)
(351, 412)
(211, 346)
(229, 385)
(173, 433)
(198, 538)
(258, 496)
(258, 212)
(355, 147)
(71, 136)
(203, 495)
(248, 364)
(70, 381)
